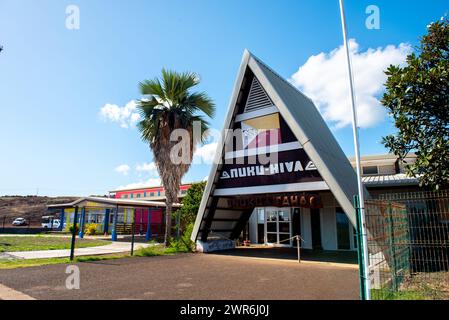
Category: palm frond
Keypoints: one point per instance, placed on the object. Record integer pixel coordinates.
(201, 101)
(153, 88)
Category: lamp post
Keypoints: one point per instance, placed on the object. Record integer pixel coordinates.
(364, 237)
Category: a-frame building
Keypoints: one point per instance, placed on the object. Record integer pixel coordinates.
(270, 120)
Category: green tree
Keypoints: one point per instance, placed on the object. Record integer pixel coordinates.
(169, 105)
(190, 205)
(417, 97)
(186, 215)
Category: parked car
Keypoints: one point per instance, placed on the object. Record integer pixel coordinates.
(20, 222)
(49, 222)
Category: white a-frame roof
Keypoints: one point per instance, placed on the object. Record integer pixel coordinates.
(311, 131)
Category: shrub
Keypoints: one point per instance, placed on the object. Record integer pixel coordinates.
(184, 244)
(69, 227)
(90, 229)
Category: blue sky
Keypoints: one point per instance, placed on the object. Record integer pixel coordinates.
(54, 81)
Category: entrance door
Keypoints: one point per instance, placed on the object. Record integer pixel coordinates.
(278, 226)
(316, 229)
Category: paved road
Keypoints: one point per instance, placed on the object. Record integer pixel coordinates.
(189, 276)
(115, 247)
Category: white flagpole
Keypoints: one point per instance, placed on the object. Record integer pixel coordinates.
(357, 158)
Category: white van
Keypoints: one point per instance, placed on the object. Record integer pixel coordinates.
(49, 222)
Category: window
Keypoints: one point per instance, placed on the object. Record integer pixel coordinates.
(370, 170)
(144, 194)
(343, 237)
(138, 195)
(261, 215)
(183, 191)
(132, 195)
(152, 194)
(159, 193)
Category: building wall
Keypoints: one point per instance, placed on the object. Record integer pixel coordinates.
(156, 193)
(328, 228)
(328, 225)
(306, 229)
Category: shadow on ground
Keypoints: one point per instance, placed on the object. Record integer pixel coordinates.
(348, 257)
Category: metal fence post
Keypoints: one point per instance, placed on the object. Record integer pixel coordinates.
(72, 247)
(362, 275)
(392, 248)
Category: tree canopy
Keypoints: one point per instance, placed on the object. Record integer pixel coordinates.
(417, 97)
(170, 106)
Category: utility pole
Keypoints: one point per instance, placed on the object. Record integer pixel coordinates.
(357, 157)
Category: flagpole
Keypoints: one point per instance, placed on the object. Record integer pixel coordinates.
(361, 201)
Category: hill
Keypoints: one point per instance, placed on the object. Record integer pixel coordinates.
(31, 208)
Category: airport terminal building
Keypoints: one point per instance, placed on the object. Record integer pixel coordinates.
(279, 172)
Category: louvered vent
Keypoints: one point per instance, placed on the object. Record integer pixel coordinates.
(258, 98)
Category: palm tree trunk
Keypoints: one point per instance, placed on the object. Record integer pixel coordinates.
(168, 212)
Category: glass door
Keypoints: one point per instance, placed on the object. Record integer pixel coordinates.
(284, 227)
(271, 226)
(278, 226)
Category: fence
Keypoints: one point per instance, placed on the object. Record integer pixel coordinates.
(408, 244)
(140, 228)
(30, 226)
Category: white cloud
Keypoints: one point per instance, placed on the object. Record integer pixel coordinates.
(206, 153)
(147, 167)
(323, 78)
(126, 116)
(123, 169)
(152, 182)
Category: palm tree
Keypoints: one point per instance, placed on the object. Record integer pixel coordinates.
(168, 105)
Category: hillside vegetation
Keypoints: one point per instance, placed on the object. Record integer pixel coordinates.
(29, 207)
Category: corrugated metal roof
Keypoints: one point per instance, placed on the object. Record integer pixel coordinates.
(113, 201)
(389, 180)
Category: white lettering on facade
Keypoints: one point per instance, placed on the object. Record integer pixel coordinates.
(273, 169)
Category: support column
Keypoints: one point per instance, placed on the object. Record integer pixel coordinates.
(82, 220)
(106, 221)
(114, 229)
(149, 235)
(62, 220)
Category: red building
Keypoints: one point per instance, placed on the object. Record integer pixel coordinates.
(153, 193)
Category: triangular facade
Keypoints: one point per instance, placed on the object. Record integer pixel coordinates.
(277, 150)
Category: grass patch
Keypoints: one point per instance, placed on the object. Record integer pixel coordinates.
(13, 264)
(382, 294)
(152, 251)
(421, 286)
(41, 242)
(158, 250)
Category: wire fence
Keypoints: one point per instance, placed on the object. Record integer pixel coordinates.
(408, 243)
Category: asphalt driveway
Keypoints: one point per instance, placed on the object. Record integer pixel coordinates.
(189, 276)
